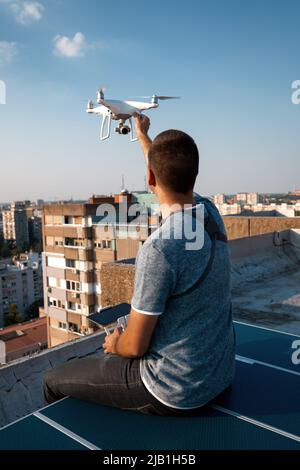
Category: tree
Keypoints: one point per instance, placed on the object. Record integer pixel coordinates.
(13, 316)
(5, 251)
(24, 247)
(33, 309)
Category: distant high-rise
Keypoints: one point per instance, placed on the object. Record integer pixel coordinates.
(20, 284)
(252, 199)
(15, 224)
(219, 199)
(241, 198)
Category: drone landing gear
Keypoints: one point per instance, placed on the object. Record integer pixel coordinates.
(106, 120)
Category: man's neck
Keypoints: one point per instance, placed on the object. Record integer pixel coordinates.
(173, 202)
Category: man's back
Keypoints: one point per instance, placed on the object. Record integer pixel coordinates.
(191, 355)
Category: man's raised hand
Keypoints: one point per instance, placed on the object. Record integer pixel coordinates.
(142, 124)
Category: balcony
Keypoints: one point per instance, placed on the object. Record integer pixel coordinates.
(74, 297)
(66, 231)
(79, 254)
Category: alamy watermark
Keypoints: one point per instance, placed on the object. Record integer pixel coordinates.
(296, 353)
(2, 92)
(295, 97)
(137, 221)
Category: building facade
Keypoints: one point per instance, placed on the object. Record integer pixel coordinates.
(77, 240)
(21, 284)
(252, 199)
(15, 224)
(219, 199)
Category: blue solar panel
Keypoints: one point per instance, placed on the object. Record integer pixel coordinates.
(261, 411)
(33, 434)
(110, 315)
(265, 394)
(113, 429)
(265, 345)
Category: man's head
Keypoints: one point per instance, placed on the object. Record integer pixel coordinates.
(173, 162)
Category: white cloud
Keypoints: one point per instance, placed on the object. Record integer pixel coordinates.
(70, 47)
(8, 50)
(25, 12)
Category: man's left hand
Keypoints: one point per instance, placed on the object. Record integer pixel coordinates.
(110, 342)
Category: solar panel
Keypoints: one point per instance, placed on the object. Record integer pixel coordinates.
(266, 345)
(110, 314)
(260, 411)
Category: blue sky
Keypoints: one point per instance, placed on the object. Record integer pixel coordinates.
(232, 62)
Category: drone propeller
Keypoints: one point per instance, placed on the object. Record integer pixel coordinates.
(101, 91)
(159, 97)
(166, 97)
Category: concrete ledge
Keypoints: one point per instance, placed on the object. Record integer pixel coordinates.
(21, 380)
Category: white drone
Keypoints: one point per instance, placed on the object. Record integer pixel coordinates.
(121, 111)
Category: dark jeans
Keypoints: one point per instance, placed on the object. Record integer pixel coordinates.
(106, 380)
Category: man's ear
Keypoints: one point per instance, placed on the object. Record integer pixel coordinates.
(151, 178)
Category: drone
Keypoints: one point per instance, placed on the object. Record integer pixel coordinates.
(122, 111)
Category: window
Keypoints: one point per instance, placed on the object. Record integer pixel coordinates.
(72, 285)
(72, 306)
(106, 243)
(62, 325)
(74, 327)
(70, 263)
(52, 302)
(68, 219)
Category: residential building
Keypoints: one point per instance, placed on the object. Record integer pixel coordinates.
(15, 224)
(252, 199)
(20, 284)
(77, 240)
(219, 199)
(241, 198)
(229, 209)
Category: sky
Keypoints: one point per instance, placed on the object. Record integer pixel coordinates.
(232, 63)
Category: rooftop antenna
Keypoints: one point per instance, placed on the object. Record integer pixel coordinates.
(123, 184)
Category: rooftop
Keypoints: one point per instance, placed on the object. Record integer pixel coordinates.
(257, 412)
(19, 336)
(266, 280)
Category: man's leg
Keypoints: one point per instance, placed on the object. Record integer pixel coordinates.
(107, 380)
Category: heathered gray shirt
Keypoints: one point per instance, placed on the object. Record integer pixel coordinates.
(191, 356)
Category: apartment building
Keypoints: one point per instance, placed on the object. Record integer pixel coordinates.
(77, 240)
(241, 198)
(252, 199)
(20, 284)
(219, 199)
(15, 224)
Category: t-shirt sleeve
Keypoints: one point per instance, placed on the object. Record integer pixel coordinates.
(154, 281)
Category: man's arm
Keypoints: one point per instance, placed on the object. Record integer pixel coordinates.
(135, 340)
(142, 124)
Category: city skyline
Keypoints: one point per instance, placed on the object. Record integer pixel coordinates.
(233, 67)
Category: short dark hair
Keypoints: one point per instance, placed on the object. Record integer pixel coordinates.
(174, 159)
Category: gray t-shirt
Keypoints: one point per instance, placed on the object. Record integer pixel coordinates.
(191, 355)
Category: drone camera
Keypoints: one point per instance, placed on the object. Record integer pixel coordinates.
(124, 130)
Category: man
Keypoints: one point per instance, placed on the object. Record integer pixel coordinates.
(177, 352)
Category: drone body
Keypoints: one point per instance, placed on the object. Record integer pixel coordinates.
(122, 111)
